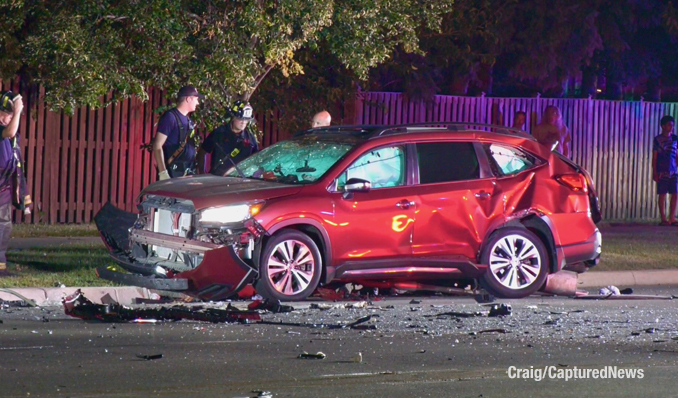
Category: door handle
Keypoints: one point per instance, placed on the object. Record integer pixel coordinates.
(405, 204)
(482, 195)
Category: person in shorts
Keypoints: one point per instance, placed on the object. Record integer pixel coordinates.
(664, 169)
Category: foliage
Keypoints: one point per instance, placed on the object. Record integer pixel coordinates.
(81, 49)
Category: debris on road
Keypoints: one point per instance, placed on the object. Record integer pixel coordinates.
(500, 310)
(501, 331)
(609, 290)
(149, 357)
(460, 314)
(274, 306)
(306, 355)
(357, 358)
(324, 306)
(78, 306)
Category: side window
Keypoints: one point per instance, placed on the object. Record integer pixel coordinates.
(507, 160)
(383, 168)
(446, 162)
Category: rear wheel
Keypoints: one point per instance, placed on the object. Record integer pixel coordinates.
(517, 261)
(290, 267)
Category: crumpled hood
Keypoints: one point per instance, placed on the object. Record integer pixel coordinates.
(208, 190)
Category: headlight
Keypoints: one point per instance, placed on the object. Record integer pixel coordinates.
(229, 214)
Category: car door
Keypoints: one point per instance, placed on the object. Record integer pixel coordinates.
(457, 200)
(377, 224)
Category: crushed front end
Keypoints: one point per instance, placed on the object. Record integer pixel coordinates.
(169, 245)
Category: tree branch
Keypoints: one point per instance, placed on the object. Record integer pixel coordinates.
(259, 79)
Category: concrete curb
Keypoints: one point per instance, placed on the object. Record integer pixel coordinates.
(52, 296)
(126, 295)
(621, 279)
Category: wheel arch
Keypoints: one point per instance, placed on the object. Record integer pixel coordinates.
(310, 227)
(533, 223)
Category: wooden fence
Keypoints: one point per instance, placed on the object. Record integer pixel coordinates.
(75, 164)
(611, 139)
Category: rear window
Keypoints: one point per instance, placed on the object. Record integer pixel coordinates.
(446, 162)
(506, 160)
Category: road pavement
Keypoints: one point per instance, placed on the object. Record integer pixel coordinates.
(432, 346)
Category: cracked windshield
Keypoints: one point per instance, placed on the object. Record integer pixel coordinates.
(293, 161)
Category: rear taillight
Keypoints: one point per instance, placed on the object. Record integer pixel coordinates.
(574, 181)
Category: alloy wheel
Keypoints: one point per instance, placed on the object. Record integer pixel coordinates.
(515, 261)
(291, 267)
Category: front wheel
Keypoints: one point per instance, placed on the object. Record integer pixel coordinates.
(290, 267)
(517, 262)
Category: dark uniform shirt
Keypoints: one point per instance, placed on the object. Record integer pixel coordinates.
(7, 163)
(223, 144)
(168, 125)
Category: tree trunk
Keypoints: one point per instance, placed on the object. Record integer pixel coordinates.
(459, 85)
(653, 91)
(589, 82)
(486, 79)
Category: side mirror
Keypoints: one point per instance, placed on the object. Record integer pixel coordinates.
(356, 185)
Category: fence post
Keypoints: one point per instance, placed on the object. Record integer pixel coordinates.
(353, 109)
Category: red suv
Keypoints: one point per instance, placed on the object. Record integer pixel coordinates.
(375, 205)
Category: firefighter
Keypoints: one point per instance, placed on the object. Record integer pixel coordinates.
(230, 143)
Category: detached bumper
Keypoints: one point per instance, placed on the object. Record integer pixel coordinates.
(220, 274)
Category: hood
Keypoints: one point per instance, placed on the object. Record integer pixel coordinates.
(208, 190)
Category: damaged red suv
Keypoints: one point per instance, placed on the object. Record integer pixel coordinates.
(376, 205)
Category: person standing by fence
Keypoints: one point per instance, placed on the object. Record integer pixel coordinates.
(665, 170)
(552, 132)
(175, 142)
(321, 119)
(10, 115)
(519, 120)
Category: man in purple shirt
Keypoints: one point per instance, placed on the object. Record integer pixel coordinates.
(10, 115)
(174, 143)
(665, 170)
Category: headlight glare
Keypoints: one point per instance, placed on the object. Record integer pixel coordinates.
(225, 214)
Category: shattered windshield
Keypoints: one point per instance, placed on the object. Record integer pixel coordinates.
(292, 161)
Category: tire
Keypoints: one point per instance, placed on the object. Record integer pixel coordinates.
(290, 267)
(518, 263)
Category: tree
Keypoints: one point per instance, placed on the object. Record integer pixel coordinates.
(80, 50)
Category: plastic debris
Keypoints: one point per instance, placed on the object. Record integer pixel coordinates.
(306, 355)
(357, 358)
(274, 306)
(500, 310)
(460, 314)
(78, 306)
(149, 357)
(502, 331)
(609, 290)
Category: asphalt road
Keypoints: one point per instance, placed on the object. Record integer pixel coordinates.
(415, 351)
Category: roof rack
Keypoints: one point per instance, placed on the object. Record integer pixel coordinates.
(452, 127)
(354, 130)
(373, 131)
